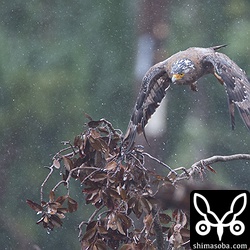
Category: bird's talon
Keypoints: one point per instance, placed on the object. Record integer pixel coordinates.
(193, 86)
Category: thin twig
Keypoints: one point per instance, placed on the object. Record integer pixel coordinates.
(141, 164)
(89, 220)
(80, 228)
(160, 162)
(69, 155)
(95, 213)
(67, 180)
(58, 184)
(46, 179)
(185, 243)
(109, 125)
(88, 176)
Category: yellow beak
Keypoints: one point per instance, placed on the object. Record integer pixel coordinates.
(176, 77)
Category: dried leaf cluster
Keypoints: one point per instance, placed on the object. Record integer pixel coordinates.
(132, 206)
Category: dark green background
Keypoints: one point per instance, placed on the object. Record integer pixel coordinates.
(59, 59)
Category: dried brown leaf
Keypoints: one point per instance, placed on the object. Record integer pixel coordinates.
(40, 220)
(112, 221)
(183, 220)
(99, 144)
(120, 228)
(85, 245)
(94, 124)
(164, 218)
(93, 198)
(56, 163)
(96, 198)
(90, 233)
(127, 247)
(98, 177)
(72, 205)
(146, 205)
(111, 165)
(78, 141)
(122, 193)
(46, 219)
(113, 193)
(110, 203)
(62, 210)
(150, 247)
(104, 130)
(175, 214)
(51, 196)
(185, 232)
(100, 245)
(124, 219)
(88, 116)
(131, 202)
(177, 240)
(102, 230)
(56, 221)
(60, 215)
(90, 190)
(92, 224)
(34, 206)
(148, 221)
(61, 199)
(210, 168)
(52, 209)
(55, 204)
(68, 163)
(98, 203)
(137, 209)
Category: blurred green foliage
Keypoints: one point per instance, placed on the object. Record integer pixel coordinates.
(60, 59)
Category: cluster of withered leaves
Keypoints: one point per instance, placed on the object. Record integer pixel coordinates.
(124, 194)
(53, 210)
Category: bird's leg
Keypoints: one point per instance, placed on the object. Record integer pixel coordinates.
(193, 86)
(218, 77)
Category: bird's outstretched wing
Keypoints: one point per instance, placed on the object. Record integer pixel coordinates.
(236, 84)
(154, 85)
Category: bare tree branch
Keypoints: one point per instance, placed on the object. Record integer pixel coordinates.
(202, 164)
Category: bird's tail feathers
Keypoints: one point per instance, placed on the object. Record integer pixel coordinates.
(219, 47)
(129, 138)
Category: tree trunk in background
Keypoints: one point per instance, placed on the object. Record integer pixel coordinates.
(152, 33)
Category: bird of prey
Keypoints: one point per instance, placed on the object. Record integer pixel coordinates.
(185, 68)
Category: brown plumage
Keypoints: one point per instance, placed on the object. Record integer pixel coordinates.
(185, 68)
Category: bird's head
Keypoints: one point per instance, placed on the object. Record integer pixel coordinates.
(181, 70)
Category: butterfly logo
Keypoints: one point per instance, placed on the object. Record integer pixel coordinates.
(203, 227)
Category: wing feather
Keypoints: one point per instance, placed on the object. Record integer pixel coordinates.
(236, 84)
(153, 89)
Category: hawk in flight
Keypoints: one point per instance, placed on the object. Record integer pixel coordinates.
(185, 68)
